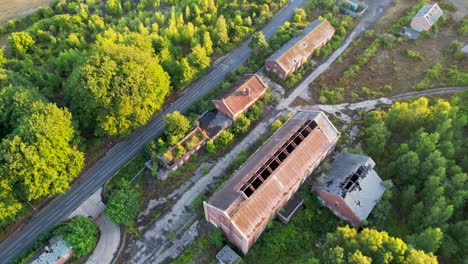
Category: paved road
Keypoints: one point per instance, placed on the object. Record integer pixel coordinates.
(91, 180)
(108, 244)
(376, 9)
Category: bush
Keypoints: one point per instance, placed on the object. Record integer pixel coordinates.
(413, 54)
(80, 233)
(210, 147)
(388, 40)
(276, 125)
(123, 205)
(241, 125)
(224, 139)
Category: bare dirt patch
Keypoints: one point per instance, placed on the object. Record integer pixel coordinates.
(10, 9)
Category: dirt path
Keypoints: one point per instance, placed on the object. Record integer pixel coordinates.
(368, 105)
(374, 11)
(10, 9)
(156, 245)
(162, 242)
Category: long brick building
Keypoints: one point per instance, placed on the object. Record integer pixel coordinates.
(242, 207)
(298, 50)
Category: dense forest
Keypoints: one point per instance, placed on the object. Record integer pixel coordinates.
(85, 68)
(424, 145)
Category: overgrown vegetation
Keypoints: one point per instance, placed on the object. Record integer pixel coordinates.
(80, 233)
(424, 145)
(302, 17)
(112, 63)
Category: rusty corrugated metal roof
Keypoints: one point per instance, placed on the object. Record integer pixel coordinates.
(244, 92)
(303, 45)
(249, 214)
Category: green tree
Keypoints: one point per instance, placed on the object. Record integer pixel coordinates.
(15, 105)
(210, 147)
(376, 136)
(224, 139)
(276, 125)
(429, 240)
(258, 42)
(114, 7)
(199, 58)
(187, 71)
(123, 205)
(368, 245)
(9, 205)
(117, 89)
(40, 157)
(177, 125)
(207, 43)
(20, 43)
(241, 125)
(80, 233)
(221, 31)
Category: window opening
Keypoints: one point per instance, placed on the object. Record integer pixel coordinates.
(258, 178)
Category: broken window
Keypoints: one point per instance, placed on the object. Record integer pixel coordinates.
(257, 179)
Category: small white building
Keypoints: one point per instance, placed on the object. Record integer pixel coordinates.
(426, 17)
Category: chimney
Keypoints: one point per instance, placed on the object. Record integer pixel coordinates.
(247, 91)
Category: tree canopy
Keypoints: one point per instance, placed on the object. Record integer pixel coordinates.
(117, 89)
(123, 205)
(177, 125)
(38, 154)
(347, 245)
(80, 233)
(423, 143)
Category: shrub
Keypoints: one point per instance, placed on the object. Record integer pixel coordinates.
(123, 205)
(224, 139)
(210, 147)
(413, 54)
(80, 233)
(276, 125)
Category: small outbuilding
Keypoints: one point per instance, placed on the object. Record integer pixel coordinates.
(56, 252)
(351, 188)
(227, 256)
(426, 17)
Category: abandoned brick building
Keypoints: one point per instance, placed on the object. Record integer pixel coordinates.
(298, 50)
(351, 188)
(426, 17)
(242, 207)
(241, 96)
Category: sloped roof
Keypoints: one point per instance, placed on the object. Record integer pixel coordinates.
(59, 249)
(366, 194)
(312, 36)
(426, 9)
(243, 93)
(248, 214)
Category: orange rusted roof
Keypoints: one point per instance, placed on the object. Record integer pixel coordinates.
(243, 94)
(249, 214)
(303, 45)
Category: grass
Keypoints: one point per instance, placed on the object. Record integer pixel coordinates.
(368, 73)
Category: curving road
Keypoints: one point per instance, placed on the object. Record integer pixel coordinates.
(92, 179)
